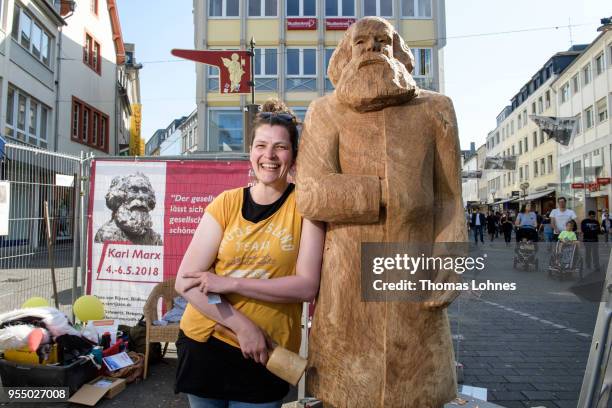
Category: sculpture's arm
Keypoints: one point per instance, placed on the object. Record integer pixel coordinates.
(449, 222)
(323, 192)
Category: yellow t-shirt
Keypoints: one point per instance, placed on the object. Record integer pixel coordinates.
(267, 249)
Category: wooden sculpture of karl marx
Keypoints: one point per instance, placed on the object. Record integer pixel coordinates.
(379, 162)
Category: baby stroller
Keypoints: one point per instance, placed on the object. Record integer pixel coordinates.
(525, 251)
(566, 260)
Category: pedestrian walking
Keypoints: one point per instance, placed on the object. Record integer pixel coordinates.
(590, 228)
(491, 225)
(506, 227)
(606, 225)
(560, 216)
(497, 224)
(477, 224)
(527, 223)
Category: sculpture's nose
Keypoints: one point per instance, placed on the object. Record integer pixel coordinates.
(373, 45)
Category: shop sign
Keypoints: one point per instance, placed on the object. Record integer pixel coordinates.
(592, 186)
(577, 185)
(603, 181)
(338, 23)
(302, 23)
(515, 193)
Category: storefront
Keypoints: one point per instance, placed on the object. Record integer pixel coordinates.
(541, 201)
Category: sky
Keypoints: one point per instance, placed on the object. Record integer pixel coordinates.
(493, 48)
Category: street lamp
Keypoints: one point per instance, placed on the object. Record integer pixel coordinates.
(524, 187)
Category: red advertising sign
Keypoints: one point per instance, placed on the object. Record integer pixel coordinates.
(339, 24)
(577, 185)
(234, 67)
(304, 23)
(603, 181)
(142, 218)
(592, 186)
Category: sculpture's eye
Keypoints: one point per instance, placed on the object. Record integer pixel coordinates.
(359, 42)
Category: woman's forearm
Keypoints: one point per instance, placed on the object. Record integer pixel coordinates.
(223, 313)
(288, 289)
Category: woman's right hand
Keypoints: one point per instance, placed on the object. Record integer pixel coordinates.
(253, 343)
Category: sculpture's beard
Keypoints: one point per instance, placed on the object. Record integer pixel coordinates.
(133, 218)
(375, 81)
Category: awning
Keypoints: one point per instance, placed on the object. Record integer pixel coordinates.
(537, 195)
(504, 201)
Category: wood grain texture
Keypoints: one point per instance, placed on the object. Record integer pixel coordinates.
(379, 354)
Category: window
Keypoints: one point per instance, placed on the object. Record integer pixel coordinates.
(422, 62)
(525, 144)
(535, 168)
(547, 100)
(535, 139)
(32, 117)
(512, 127)
(266, 69)
(225, 130)
(578, 123)
(520, 174)
(328, 53)
(301, 68)
(339, 8)
(525, 117)
(526, 172)
(533, 108)
(565, 92)
(513, 151)
(31, 35)
(520, 120)
(383, 8)
(223, 8)
(91, 54)
(586, 74)
(588, 117)
(542, 166)
(263, 8)
(520, 147)
(599, 64)
(89, 126)
(416, 8)
(93, 5)
(575, 84)
(602, 110)
(301, 8)
(541, 136)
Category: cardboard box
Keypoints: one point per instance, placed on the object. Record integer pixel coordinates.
(102, 387)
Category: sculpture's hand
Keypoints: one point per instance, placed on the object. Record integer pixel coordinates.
(434, 304)
(383, 192)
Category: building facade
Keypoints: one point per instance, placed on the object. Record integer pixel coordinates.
(584, 91)
(295, 39)
(189, 130)
(535, 179)
(29, 69)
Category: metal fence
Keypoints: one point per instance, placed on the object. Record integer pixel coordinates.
(31, 251)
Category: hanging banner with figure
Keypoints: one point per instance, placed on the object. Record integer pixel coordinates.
(500, 163)
(559, 129)
(142, 216)
(234, 67)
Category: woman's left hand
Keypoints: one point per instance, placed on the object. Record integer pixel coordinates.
(209, 282)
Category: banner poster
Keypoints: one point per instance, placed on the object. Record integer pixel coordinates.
(471, 174)
(500, 163)
(559, 129)
(142, 216)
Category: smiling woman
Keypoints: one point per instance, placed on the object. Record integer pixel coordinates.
(252, 247)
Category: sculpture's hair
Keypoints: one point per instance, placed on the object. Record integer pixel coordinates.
(342, 55)
(117, 192)
(276, 106)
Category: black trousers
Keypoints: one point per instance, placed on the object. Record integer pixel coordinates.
(591, 250)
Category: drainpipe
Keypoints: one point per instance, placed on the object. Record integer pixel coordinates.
(57, 88)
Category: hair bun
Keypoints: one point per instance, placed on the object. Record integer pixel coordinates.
(275, 105)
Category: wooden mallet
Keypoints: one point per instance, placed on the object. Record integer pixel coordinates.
(283, 363)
